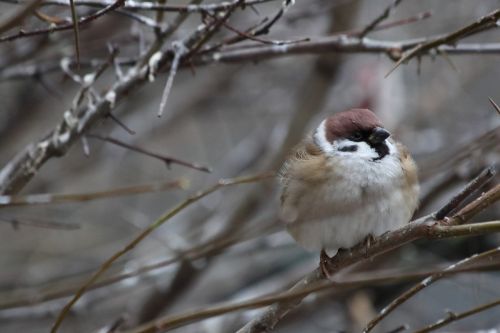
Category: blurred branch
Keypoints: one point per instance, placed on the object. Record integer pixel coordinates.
(16, 18)
(484, 23)
(424, 228)
(76, 31)
(174, 321)
(68, 26)
(49, 198)
(457, 316)
(460, 197)
(153, 226)
(15, 222)
(58, 290)
(341, 44)
(384, 15)
(495, 105)
(168, 160)
(22, 167)
(154, 6)
(424, 284)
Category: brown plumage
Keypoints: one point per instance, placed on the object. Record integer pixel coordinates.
(346, 181)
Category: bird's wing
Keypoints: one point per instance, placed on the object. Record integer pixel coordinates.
(305, 164)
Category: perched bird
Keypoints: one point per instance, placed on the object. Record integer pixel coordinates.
(347, 182)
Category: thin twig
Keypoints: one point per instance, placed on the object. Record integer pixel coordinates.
(68, 26)
(154, 6)
(495, 105)
(76, 31)
(425, 227)
(121, 123)
(37, 223)
(148, 230)
(49, 198)
(484, 23)
(168, 160)
(470, 188)
(179, 51)
(16, 18)
(384, 15)
(457, 316)
(310, 286)
(206, 250)
(424, 284)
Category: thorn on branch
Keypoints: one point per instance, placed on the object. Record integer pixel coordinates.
(384, 15)
(121, 124)
(495, 105)
(453, 204)
(179, 50)
(163, 158)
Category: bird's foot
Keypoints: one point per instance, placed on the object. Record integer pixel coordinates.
(369, 240)
(324, 259)
(323, 262)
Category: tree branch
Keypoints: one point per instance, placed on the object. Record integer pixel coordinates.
(457, 316)
(424, 284)
(424, 228)
(484, 23)
(148, 230)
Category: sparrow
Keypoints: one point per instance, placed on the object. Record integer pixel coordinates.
(347, 182)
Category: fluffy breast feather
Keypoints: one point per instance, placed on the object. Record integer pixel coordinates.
(332, 202)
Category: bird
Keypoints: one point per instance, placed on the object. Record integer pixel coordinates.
(345, 183)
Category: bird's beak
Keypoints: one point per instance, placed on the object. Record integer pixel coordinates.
(378, 135)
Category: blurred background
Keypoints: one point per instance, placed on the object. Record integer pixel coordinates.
(238, 119)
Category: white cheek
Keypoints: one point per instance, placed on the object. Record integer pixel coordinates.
(321, 141)
(363, 151)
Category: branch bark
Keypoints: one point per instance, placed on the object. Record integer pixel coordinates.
(424, 228)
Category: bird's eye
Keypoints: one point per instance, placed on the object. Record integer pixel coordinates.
(357, 136)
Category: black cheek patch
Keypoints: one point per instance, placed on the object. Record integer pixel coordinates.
(349, 149)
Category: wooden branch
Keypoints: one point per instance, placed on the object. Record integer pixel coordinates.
(484, 23)
(16, 18)
(69, 26)
(425, 227)
(336, 44)
(154, 6)
(50, 198)
(148, 230)
(312, 283)
(384, 15)
(457, 316)
(473, 186)
(168, 160)
(398, 301)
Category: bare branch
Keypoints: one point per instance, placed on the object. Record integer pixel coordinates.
(18, 17)
(384, 15)
(76, 31)
(49, 198)
(38, 223)
(484, 23)
(153, 6)
(168, 160)
(179, 51)
(69, 26)
(424, 284)
(473, 186)
(495, 105)
(153, 226)
(425, 227)
(457, 316)
(311, 284)
(340, 44)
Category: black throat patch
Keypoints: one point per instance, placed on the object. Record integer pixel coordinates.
(381, 149)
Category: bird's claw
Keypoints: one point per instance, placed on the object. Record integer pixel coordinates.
(323, 262)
